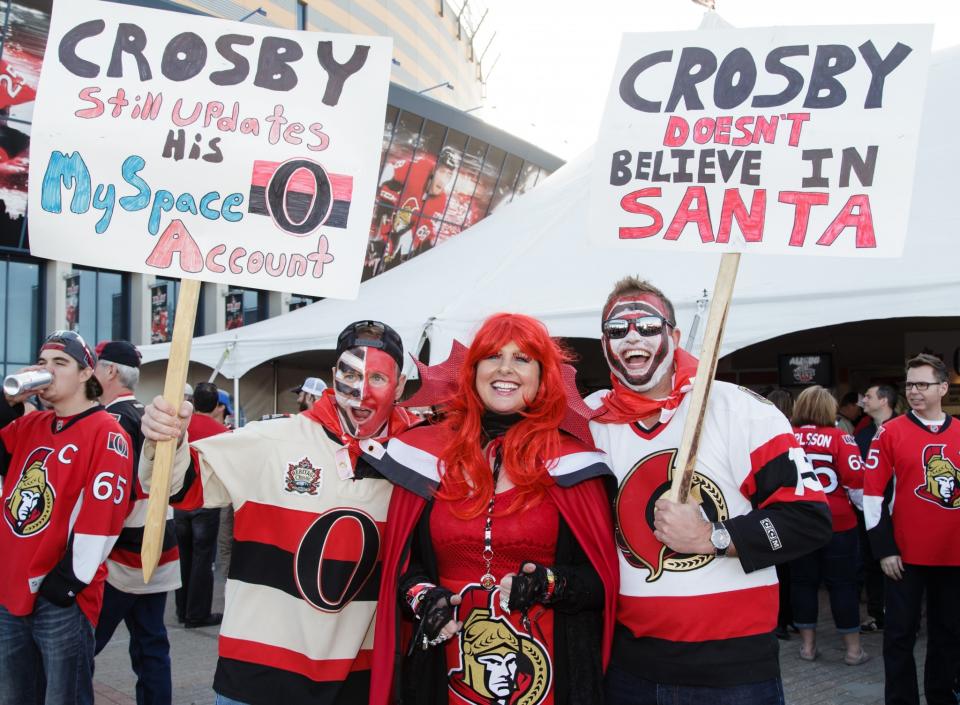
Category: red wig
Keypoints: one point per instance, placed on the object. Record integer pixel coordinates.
(529, 445)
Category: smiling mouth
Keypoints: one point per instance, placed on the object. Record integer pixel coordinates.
(636, 359)
(504, 388)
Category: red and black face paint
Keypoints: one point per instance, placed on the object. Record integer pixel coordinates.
(637, 340)
(365, 385)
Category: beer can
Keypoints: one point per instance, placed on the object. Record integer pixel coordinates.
(30, 381)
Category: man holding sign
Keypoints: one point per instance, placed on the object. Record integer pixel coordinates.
(301, 595)
(698, 594)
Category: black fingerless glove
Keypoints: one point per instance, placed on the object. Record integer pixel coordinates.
(543, 585)
(61, 589)
(434, 611)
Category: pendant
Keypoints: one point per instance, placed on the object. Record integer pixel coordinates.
(487, 581)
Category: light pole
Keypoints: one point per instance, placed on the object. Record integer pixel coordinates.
(439, 85)
(259, 11)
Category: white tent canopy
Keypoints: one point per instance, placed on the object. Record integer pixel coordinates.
(534, 257)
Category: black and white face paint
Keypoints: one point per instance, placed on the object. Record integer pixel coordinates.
(365, 384)
(639, 362)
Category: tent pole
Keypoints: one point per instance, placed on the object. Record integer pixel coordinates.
(236, 402)
(276, 392)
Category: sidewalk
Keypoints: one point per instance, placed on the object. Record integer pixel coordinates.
(827, 681)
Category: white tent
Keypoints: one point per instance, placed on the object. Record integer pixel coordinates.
(533, 256)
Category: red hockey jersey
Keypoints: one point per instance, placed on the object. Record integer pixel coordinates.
(64, 494)
(836, 460)
(911, 495)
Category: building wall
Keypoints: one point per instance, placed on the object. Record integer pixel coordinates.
(426, 48)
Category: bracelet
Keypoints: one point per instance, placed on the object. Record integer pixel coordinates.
(416, 594)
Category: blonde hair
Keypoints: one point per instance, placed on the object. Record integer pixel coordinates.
(816, 406)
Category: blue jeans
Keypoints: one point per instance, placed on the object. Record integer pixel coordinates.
(46, 657)
(836, 565)
(149, 647)
(224, 700)
(623, 688)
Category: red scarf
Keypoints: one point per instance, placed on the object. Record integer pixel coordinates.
(623, 405)
(324, 412)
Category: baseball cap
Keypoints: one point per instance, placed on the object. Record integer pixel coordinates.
(119, 351)
(72, 344)
(311, 385)
(224, 399)
(371, 334)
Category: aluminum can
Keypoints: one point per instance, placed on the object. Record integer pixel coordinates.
(30, 381)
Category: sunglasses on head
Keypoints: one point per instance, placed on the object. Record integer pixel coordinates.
(646, 326)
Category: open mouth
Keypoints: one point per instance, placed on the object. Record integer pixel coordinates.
(635, 359)
(503, 388)
(360, 415)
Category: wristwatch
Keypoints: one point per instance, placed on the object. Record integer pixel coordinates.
(720, 538)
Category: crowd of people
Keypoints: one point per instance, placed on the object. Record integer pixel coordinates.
(495, 538)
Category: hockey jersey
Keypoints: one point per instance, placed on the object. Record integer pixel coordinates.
(703, 619)
(911, 495)
(304, 572)
(836, 460)
(64, 497)
(124, 569)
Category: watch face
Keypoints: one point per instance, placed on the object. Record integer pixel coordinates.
(720, 538)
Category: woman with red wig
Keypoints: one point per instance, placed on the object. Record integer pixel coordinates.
(499, 562)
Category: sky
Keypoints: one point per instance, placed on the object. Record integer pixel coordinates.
(556, 57)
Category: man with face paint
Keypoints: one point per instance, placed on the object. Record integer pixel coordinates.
(301, 595)
(698, 597)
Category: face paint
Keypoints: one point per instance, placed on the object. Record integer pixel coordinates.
(641, 363)
(365, 385)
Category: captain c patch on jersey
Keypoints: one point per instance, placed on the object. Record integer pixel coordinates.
(116, 443)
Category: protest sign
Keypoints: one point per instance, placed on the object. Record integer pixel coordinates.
(790, 140)
(224, 152)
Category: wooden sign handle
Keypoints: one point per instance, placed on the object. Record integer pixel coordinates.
(706, 369)
(173, 393)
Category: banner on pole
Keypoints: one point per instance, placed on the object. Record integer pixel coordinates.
(225, 152)
(791, 140)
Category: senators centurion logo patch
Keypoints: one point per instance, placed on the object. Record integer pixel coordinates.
(942, 478)
(646, 482)
(302, 477)
(30, 502)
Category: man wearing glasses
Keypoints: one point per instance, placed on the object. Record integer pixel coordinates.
(65, 478)
(698, 591)
(301, 595)
(911, 505)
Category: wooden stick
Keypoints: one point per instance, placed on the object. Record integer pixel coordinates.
(706, 369)
(173, 393)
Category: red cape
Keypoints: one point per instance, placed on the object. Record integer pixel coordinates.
(584, 506)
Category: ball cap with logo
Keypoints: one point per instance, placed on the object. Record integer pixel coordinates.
(72, 344)
(371, 334)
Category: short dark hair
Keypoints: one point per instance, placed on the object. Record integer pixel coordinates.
(849, 398)
(634, 285)
(205, 397)
(92, 388)
(782, 399)
(888, 394)
(926, 360)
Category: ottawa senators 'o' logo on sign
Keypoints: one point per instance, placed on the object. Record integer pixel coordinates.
(336, 557)
(646, 482)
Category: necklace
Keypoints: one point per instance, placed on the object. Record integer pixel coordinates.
(487, 581)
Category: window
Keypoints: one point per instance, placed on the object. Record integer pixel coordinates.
(173, 296)
(21, 313)
(301, 300)
(103, 305)
(245, 306)
(503, 192)
(301, 14)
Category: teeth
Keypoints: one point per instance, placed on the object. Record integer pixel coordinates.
(636, 353)
(505, 386)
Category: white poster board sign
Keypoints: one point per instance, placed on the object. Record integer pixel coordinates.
(188, 146)
(792, 140)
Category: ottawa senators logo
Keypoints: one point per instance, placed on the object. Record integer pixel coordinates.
(302, 477)
(30, 503)
(942, 486)
(498, 664)
(646, 482)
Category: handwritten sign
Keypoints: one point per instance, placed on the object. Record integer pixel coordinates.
(778, 141)
(196, 147)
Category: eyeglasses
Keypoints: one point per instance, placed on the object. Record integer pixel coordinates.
(920, 386)
(646, 326)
